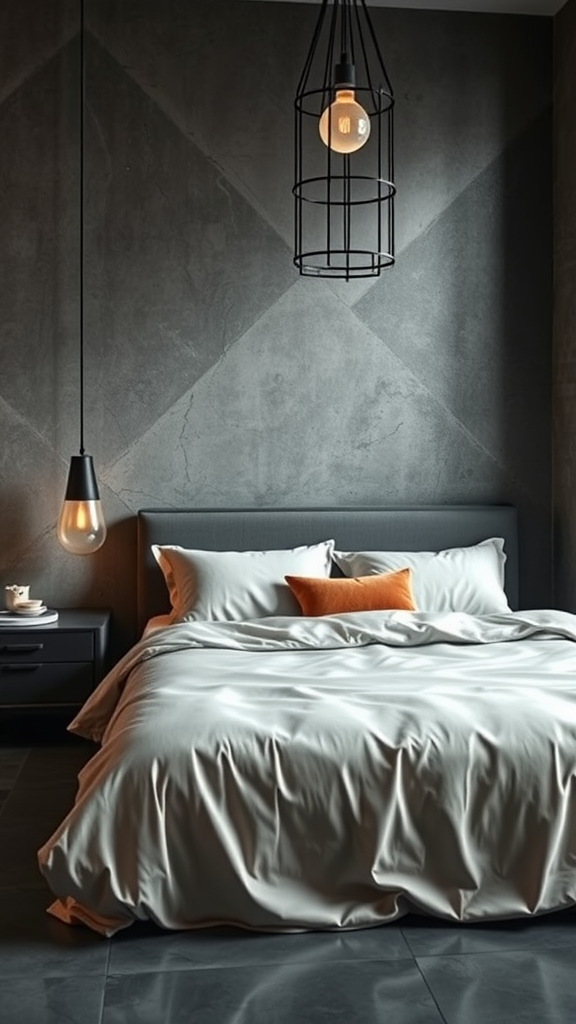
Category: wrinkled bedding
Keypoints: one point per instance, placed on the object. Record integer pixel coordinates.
(299, 773)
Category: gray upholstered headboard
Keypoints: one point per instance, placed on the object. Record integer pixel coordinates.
(428, 528)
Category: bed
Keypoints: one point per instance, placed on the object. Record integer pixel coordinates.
(279, 753)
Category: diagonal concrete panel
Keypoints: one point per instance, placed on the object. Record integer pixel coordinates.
(178, 264)
(31, 33)
(263, 427)
(470, 314)
(33, 482)
(39, 249)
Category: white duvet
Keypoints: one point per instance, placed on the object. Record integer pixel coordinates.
(327, 773)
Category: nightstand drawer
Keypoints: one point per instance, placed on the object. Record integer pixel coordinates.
(37, 684)
(57, 646)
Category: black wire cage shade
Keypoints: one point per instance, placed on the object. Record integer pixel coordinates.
(344, 149)
(81, 525)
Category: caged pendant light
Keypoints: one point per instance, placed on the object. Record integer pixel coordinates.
(81, 526)
(344, 150)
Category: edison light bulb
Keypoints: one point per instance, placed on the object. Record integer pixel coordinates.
(81, 525)
(346, 121)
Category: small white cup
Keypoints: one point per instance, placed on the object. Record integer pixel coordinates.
(14, 594)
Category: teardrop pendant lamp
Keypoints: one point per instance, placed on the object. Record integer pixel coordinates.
(344, 149)
(81, 525)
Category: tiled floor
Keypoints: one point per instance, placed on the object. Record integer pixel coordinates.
(417, 972)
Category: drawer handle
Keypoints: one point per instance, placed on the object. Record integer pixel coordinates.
(22, 648)
(20, 668)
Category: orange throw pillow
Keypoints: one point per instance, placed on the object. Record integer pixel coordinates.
(387, 591)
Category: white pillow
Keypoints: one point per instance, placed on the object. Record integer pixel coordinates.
(237, 585)
(467, 579)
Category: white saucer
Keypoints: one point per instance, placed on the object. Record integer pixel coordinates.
(30, 611)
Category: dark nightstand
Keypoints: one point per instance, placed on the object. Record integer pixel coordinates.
(53, 666)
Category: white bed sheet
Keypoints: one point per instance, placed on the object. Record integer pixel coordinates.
(327, 773)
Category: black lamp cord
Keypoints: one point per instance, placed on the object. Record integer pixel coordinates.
(81, 227)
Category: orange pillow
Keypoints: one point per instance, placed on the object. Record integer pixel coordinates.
(388, 590)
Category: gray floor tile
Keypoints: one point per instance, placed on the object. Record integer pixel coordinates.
(140, 949)
(50, 812)
(10, 768)
(24, 828)
(30, 815)
(53, 766)
(9, 774)
(8, 754)
(37, 1000)
(46, 810)
(370, 992)
(426, 937)
(13, 753)
(32, 942)
(19, 842)
(11, 764)
(494, 988)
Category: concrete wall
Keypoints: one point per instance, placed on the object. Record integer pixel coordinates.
(214, 375)
(564, 366)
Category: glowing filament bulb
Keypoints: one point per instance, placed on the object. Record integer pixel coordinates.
(344, 125)
(81, 527)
